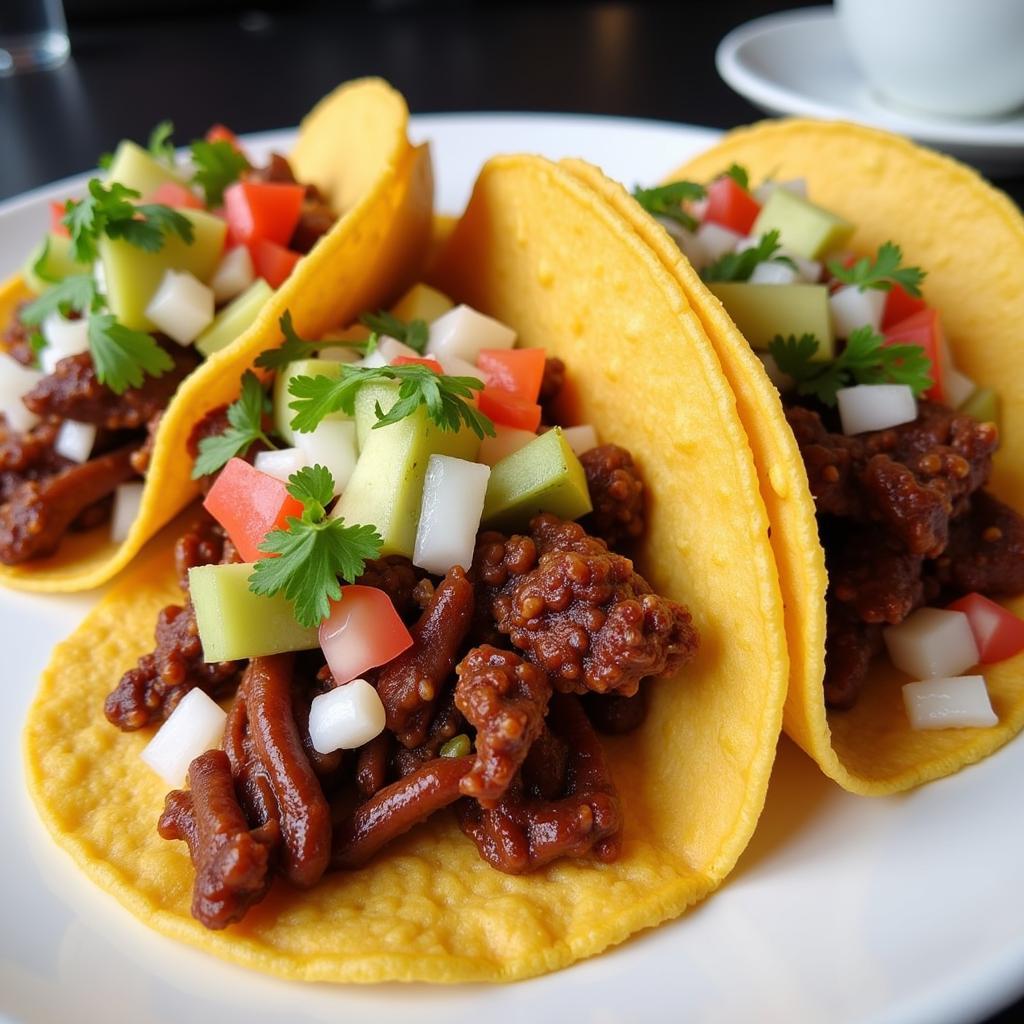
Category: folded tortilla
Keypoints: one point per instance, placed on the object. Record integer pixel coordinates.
(546, 255)
(353, 147)
(969, 237)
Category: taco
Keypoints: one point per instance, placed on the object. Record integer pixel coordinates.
(133, 303)
(878, 285)
(414, 788)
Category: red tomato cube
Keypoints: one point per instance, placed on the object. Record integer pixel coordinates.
(998, 633)
(178, 196)
(273, 262)
(509, 409)
(218, 133)
(899, 305)
(249, 504)
(924, 329)
(258, 210)
(431, 364)
(731, 205)
(519, 370)
(362, 631)
(57, 212)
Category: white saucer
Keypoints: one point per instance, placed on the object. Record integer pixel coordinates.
(797, 62)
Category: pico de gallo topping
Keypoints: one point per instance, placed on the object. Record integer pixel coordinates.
(896, 440)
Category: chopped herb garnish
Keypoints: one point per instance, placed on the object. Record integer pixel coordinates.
(308, 557)
(121, 356)
(217, 165)
(739, 175)
(444, 397)
(245, 426)
(880, 273)
(866, 359)
(160, 145)
(738, 266)
(39, 263)
(105, 160)
(37, 343)
(75, 294)
(414, 333)
(292, 348)
(667, 200)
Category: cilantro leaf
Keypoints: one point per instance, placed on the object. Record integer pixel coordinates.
(105, 160)
(147, 230)
(739, 175)
(415, 333)
(738, 266)
(245, 425)
(160, 145)
(667, 200)
(217, 165)
(37, 343)
(866, 359)
(292, 348)
(123, 357)
(881, 272)
(77, 293)
(444, 397)
(307, 559)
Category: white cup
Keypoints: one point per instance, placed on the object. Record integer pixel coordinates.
(960, 58)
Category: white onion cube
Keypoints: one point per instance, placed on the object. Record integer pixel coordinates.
(465, 333)
(387, 351)
(346, 717)
(15, 381)
(875, 407)
(127, 502)
(686, 240)
(69, 337)
(807, 270)
(182, 307)
(774, 272)
(958, 386)
(453, 501)
(715, 241)
(506, 440)
(798, 186)
(233, 275)
(580, 439)
(932, 642)
(852, 308)
(454, 366)
(193, 727)
(955, 703)
(282, 463)
(331, 444)
(74, 440)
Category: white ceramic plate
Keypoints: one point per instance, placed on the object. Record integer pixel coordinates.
(903, 910)
(797, 62)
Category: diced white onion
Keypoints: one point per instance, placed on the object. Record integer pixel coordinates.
(581, 438)
(798, 186)
(715, 241)
(388, 349)
(686, 240)
(193, 727)
(465, 333)
(346, 717)
(931, 643)
(15, 381)
(506, 440)
(127, 502)
(954, 703)
(282, 463)
(331, 444)
(233, 275)
(453, 501)
(75, 440)
(773, 272)
(781, 380)
(99, 275)
(182, 306)
(852, 308)
(69, 337)
(454, 366)
(808, 270)
(875, 407)
(959, 387)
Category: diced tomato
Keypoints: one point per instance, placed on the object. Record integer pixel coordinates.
(273, 262)
(509, 409)
(899, 305)
(731, 205)
(258, 210)
(998, 633)
(218, 133)
(432, 364)
(57, 212)
(249, 504)
(172, 194)
(924, 329)
(519, 370)
(362, 631)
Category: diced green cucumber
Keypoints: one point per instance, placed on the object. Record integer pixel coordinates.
(57, 264)
(132, 275)
(983, 405)
(235, 623)
(804, 229)
(543, 476)
(134, 168)
(235, 318)
(283, 416)
(761, 311)
(421, 302)
(383, 393)
(386, 487)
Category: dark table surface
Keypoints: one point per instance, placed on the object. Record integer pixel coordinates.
(261, 70)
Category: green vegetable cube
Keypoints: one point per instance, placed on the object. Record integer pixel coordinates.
(300, 368)
(58, 264)
(804, 229)
(543, 476)
(761, 311)
(983, 405)
(421, 302)
(235, 623)
(134, 168)
(235, 318)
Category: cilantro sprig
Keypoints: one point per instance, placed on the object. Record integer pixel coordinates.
(292, 348)
(245, 426)
(880, 273)
(161, 146)
(739, 174)
(445, 397)
(77, 293)
(306, 560)
(667, 200)
(217, 165)
(414, 333)
(738, 266)
(122, 357)
(866, 359)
